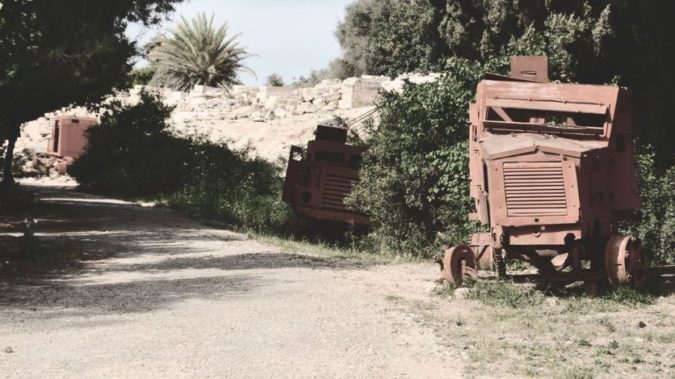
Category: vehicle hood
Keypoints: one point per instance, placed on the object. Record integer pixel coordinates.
(496, 146)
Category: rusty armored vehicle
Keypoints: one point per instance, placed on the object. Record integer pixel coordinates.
(552, 174)
(319, 178)
(67, 142)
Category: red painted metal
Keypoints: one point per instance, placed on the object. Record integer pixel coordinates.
(552, 174)
(68, 137)
(320, 178)
(66, 143)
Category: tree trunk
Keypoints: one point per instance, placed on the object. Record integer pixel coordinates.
(7, 177)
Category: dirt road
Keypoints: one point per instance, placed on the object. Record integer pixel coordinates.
(113, 289)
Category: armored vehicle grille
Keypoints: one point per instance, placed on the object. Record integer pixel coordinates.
(335, 189)
(534, 189)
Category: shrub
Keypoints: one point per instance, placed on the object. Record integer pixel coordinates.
(274, 80)
(229, 186)
(142, 76)
(656, 219)
(132, 151)
(414, 178)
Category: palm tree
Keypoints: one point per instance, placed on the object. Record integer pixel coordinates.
(196, 53)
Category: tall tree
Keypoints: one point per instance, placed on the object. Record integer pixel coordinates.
(591, 41)
(62, 52)
(388, 37)
(197, 53)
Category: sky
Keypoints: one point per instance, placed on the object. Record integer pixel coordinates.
(288, 37)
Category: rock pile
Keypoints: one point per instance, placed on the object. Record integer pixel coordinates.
(268, 119)
(47, 164)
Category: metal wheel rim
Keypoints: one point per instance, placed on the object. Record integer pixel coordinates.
(625, 261)
(459, 264)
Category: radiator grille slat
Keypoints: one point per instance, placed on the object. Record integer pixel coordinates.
(335, 189)
(534, 189)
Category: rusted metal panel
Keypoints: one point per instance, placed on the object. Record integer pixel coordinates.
(497, 146)
(555, 106)
(319, 178)
(295, 172)
(534, 68)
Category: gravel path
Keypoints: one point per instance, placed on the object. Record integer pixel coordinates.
(113, 289)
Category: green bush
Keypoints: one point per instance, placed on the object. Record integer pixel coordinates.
(414, 178)
(133, 153)
(142, 76)
(274, 80)
(229, 186)
(656, 222)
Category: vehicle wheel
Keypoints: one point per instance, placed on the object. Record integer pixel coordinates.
(459, 264)
(625, 261)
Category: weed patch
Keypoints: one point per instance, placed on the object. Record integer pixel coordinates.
(516, 330)
(505, 294)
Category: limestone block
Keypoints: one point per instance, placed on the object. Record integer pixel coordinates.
(330, 82)
(332, 106)
(280, 113)
(360, 92)
(304, 108)
(280, 92)
(237, 90)
(173, 98)
(197, 90)
(206, 91)
(271, 102)
(306, 94)
(397, 84)
(242, 112)
(319, 102)
(258, 117)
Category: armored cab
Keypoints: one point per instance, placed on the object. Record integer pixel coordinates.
(68, 137)
(67, 142)
(552, 174)
(319, 177)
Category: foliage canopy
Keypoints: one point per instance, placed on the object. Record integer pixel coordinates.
(58, 53)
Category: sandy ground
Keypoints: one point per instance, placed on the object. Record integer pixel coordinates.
(114, 289)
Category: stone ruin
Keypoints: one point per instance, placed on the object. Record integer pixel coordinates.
(268, 119)
(265, 103)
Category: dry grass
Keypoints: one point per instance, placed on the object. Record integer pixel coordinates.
(325, 249)
(508, 330)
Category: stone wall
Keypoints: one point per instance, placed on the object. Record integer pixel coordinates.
(266, 103)
(268, 119)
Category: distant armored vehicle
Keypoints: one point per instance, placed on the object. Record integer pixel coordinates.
(552, 174)
(67, 142)
(68, 137)
(319, 178)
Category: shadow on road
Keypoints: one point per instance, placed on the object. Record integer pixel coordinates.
(92, 255)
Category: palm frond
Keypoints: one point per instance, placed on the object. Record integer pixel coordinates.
(196, 53)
